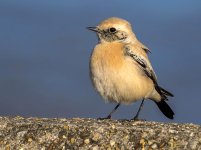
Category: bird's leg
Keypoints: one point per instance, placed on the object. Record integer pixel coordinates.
(138, 112)
(110, 114)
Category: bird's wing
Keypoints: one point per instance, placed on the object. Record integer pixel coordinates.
(142, 62)
(146, 67)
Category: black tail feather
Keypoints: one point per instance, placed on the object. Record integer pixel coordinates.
(165, 109)
(165, 92)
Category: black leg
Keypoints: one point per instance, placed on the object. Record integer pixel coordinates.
(138, 112)
(110, 114)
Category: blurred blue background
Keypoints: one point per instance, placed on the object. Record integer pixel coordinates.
(45, 50)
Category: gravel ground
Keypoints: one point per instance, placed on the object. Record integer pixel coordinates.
(79, 133)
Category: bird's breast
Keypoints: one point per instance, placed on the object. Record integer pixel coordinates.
(116, 77)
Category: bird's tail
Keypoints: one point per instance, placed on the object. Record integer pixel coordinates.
(163, 93)
(162, 105)
(165, 109)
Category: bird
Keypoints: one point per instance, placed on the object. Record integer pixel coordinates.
(120, 69)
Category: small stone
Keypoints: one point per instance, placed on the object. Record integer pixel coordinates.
(18, 118)
(112, 142)
(96, 137)
(43, 148)
(109, 148)
(30, 140)
(154, 146)
(64, 137)
(21, 133)
(72, 140)
(95, 147)
(192, 134)
(66, 127)
(142, 142)
(8, 147)
(194, 144)
(172, 131)
(113, 126)
(150, 142)
(86, 141)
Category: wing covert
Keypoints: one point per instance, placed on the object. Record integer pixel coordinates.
(143, 63)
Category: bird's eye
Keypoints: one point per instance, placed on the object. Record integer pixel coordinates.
(112, 30)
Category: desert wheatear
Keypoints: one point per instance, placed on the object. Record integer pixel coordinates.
(120, 69)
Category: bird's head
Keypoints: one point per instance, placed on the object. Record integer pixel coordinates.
(114, 29)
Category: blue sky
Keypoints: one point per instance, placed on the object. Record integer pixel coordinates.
(45, 50)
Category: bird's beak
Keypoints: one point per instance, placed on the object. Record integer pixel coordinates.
(95, 29)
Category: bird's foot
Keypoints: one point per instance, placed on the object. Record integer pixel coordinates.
(137, 119)
(123, 120)
(108, 117)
